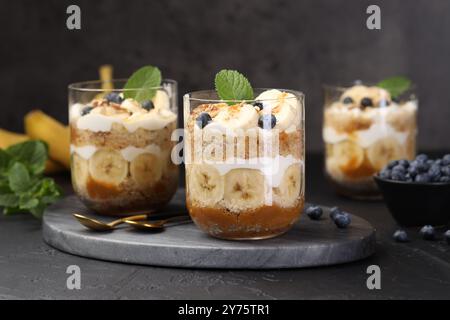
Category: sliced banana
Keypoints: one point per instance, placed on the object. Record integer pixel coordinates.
(244, 189)
(80, 171)
(383, 151)
(348, 155)
(238, 117)
(108, 166)
(146, 170)
(131, 105)
(290, 187)
(283, 105)
(161, 100)
(205, 184)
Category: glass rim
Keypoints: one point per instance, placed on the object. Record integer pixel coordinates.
(188, 96)
(413, 86)
(79, 86)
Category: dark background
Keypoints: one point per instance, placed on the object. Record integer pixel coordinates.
(276, 43)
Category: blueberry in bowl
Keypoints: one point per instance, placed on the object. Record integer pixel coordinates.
(417, 192)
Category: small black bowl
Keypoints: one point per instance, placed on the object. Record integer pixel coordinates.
(416, 204)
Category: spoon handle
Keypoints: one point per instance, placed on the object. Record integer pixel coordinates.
(176, 218)
(133, 218)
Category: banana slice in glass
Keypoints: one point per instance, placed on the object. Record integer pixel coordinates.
(348, 155)
(290, 187)
(108, 166)
(146, 170)
(205, 184)
(80, 171)
(383, 151)
(244, 189)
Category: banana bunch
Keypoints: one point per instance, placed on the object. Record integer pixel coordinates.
(240, 189)
(39, 126)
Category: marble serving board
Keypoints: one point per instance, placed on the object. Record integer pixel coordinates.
(309, 243)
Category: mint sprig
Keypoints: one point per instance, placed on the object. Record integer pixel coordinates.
(395, 85)
(233, 86)
(23, 188)
(143, 84)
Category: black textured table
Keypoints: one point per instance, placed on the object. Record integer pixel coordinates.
(31, 269)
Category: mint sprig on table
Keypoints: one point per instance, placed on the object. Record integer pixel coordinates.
(233, 86)
(23, 188)
(395, 85)
(142, 84)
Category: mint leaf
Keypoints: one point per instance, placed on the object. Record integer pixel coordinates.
(395, 85)
(19, 178)
(33, 154)
(22, 186)
(231, 85)
(142, 84)
(9, 200)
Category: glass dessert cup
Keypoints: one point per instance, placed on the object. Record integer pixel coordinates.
(363, 130)
(244, 163)
(120, 148)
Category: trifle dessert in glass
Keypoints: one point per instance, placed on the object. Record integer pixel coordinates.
(365, 127)
(121, 142)
(244, 155)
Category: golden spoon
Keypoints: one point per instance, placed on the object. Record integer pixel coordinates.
(154, 225)
(96, 225)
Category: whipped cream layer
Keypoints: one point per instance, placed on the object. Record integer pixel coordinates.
(283, 105)
(129, 153)
(379, 129)
(129, 114)
(273, 169)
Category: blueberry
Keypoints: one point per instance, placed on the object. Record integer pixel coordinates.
(444, 179)
(404, 163)
(398, 176)
(335, 211)
(114, 97)
(422, 178)
(400, 236)
(421, 166)
(366, 102)
(267, 121)
(392, 164)
(413, 171)
(434, 172)
(203, 119)
(342, 220)
(428, 232)
(445, 171)
(86, 110)
(438, 162)
(447, 236)
(147, 105)
(385, 174)
(314, 212)
(422, 157)
(347, 100)
(446, 160)
(399, 168)
(260, 105)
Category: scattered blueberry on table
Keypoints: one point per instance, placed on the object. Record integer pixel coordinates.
(401, 236)
(340, 218)
(428, 233)
(420, 170)
(314, 212)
